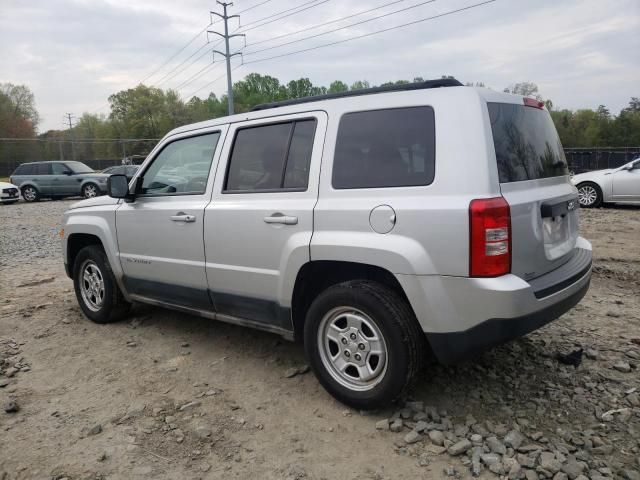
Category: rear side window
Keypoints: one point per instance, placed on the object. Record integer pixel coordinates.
(385, 148)
(23, 170)
(43, 169)
(272, 157)
(526, 143)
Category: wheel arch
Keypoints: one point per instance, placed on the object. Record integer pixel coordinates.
(316, 276)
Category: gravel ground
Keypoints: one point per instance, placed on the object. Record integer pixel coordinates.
(166, 395)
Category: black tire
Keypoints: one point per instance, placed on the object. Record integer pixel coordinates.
(87, 188)
(30, 194)
(582, 190)
(404, 339)
(113, 306)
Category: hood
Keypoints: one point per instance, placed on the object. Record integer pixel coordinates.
(94, 202)
(7, 185)
(95, 175)
(581, 177)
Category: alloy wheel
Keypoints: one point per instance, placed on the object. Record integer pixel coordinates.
(352, 348)
(587, 195)
(90, 191)
(29, 194)
(92, 285)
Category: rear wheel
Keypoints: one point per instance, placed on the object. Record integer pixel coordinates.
(363, 343)
(90, 190)
(96, 289)
(589, 195)
(30, 194)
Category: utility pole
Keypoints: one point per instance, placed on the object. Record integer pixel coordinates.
(73, 149)
(226, 53)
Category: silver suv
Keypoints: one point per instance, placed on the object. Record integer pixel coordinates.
(38, 180)
(371, 225)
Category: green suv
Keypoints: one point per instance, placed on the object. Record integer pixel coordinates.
(57, 180)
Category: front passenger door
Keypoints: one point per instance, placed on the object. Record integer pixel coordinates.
(160, 233)
(626, 184)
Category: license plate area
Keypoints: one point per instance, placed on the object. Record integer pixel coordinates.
(559, 234)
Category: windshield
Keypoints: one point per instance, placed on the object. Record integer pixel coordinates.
(526, 142)
(79, 167)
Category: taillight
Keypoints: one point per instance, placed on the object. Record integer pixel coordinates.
(533, 102)
(489, 237)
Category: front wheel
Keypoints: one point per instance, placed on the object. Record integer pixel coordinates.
(90, 190)
(96, 289)
(589, 195)
(30, 194)
(364, 343)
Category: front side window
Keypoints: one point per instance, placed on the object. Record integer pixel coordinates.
(271, 157)
(58, 168)
(182, 167)
(79, 167)
(385, 148)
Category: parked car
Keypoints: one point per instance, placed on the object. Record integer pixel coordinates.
(9, 193)
(372, 225)
(58, 180)
(128, 170)
(615, 185)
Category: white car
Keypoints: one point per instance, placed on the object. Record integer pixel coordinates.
(9, 193)
(615, 185)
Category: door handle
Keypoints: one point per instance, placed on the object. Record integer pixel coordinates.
(183, 217)
(282, 219)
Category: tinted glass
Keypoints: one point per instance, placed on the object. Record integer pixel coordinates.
(299, 158)
(43, 169)
(23, 170)
(385, 148)
(526, 143)
(79, 167)
(58, 168)
(171, 171)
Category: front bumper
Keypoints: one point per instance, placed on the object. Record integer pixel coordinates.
(463, 316)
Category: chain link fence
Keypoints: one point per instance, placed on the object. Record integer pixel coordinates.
(98, 154)
(587, 159)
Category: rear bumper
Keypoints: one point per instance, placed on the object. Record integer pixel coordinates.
(464, 316)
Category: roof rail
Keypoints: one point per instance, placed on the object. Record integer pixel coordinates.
(438, 83)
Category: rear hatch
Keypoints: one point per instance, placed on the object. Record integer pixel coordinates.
(534, 180)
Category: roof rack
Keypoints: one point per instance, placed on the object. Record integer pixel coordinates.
(438, 83)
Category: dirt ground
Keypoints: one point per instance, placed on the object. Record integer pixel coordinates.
(170, 396)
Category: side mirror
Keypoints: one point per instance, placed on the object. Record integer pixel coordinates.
(118, 186)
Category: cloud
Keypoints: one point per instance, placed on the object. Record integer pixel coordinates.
(75, 53)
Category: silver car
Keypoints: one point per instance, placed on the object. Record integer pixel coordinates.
(615, 185)
(371, 225)
(58, 180)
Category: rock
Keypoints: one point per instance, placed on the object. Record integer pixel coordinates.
(631, 475)
(633, 354)
(476, 466)
(412, 437)
(459, 448)
(526, 461)
(548, 462)
(476, 439)
(490, 458)
(421, 426)
(560, 476)
(415, 406)
(11, 371)
(396, 425)
(573, 468)
(102, 457)
(592, 354)
(436, 437)
(93, 430)
(496, 446)
(382, 424)
(135, 410)
(622, 366)
(11, 407)
(205, 467)
(190, 405)
(613, 314)
(4, 382)
(291, 372)
(202, 432)
(450, 471)
(435, 449)
(512, 468)
(531, 475)
(513, 439)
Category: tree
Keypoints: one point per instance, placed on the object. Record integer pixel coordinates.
(338, 86)
(18, 114)
(526, 89)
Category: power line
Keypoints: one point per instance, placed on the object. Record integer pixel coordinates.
(469, 7)
(212, 82)
(325, 23)
(342, 28)
(197, 75)
(254, 6)
(244, 29)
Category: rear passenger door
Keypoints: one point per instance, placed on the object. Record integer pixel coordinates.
(44, 178)
(259, 223)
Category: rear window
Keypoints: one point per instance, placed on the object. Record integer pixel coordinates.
(23, 169)
(385, 148)
(526, 143)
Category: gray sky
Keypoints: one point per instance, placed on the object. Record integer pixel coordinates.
(74, 53)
